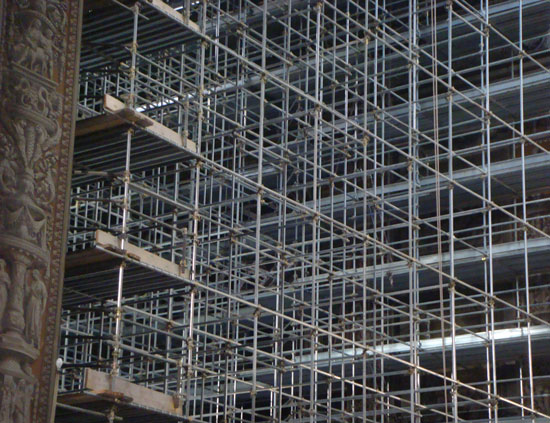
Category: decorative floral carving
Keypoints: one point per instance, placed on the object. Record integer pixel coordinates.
(32, 97)
(31, 118)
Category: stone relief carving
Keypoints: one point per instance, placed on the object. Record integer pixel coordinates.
(538, 215)
(39, 47)
(23, 396)
(35, 306)
(34, 41)
(541, 391)
(4, 289)
(8, 394)
(16, 400)
(540, 300)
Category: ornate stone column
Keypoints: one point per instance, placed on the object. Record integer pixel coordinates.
(38, 78)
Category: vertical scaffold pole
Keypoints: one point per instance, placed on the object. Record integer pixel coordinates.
(131, 102)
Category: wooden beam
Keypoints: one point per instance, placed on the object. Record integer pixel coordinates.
(98, 124)
(103, 386)
(171, 12)
(77, 399)
(102, 383)
(88, 257)
(119, 109)
(110, 242)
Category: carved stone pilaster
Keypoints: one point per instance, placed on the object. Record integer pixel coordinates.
(38, 71)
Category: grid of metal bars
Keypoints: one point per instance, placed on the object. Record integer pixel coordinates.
(364, 221)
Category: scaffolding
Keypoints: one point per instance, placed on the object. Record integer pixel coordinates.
(310, 211)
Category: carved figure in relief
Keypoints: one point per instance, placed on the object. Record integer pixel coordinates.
(37, 59)
(8, 179)
(542, 396)
(540, 303)
(25, 49)
(57, 16)
(541, 43)
(35, 306)
(8, 396)
(47, 52)
(4, 289)
(35, 50)
(20, 403)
